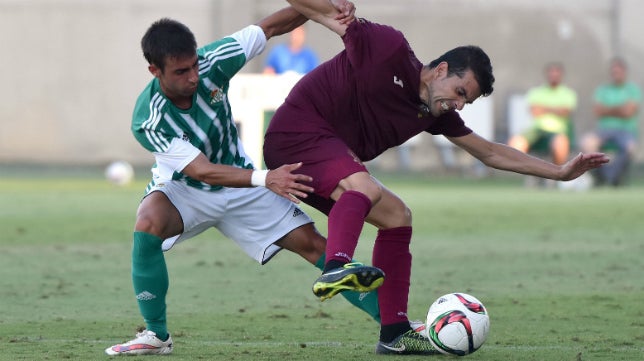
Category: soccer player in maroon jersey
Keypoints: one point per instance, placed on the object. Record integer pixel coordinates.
(372, 96)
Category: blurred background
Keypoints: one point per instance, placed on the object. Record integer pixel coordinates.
(72, 69)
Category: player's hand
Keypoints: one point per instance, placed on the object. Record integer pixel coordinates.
(283, 182)
(347, 11)
(581, 164)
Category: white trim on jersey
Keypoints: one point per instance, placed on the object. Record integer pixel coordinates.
(178, 155)
(225, 51)
(159, 143)
(253, 40)
(199, 133)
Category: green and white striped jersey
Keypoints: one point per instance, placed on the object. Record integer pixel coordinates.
(175, 136)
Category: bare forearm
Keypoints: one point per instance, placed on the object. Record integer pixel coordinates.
(501, 156)
(217, 174)
(314, 9)
(507, 158)
(281, 22)
(540, 110)
(333, 14)
(626, 110)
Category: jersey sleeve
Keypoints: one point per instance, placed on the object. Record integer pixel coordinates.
(635, 93)
(176, 157)
(148, 124)
(222, 59)
(571, 99)
(252, 40)
(532, 96)
(450, 124)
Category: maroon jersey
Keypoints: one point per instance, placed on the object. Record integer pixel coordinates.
(367, 95)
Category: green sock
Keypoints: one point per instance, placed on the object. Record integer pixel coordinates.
(366, 301)
(150, 279)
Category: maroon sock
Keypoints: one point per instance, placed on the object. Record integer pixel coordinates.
(345, 224)
(391, 254)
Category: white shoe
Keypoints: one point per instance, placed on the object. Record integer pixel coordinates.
(419, 327)
(145, 343)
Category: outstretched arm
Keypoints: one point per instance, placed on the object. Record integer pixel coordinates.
(334, 14)
(281, 181)
(503, 157)
(281, 22)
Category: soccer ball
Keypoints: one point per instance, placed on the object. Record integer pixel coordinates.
(457, 324)
(120, 173)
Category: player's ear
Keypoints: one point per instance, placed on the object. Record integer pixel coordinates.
(441, 69)
(154, 70)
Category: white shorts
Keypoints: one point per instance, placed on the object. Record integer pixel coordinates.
(255, 218)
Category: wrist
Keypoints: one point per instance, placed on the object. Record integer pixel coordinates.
(258, 178)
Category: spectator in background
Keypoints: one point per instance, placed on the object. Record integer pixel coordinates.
(551, 105)
(617, 109)
(294, 56)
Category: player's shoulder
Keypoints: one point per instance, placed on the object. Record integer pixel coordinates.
(362, 25)
(150, 102)
(634, 87)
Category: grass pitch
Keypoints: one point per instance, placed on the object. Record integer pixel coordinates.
(560, 274)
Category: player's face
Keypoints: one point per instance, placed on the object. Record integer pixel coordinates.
(179, 78)
(618, 73)
(447, 93)
(554, 74)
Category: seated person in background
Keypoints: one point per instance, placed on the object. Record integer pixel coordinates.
(294, 57)
(551, 105)
(617, 110)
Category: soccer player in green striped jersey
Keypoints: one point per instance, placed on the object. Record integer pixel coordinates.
(202, 177)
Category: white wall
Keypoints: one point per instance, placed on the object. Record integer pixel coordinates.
(71, 69)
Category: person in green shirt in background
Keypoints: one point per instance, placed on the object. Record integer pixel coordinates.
(551, 105)
(617, 110)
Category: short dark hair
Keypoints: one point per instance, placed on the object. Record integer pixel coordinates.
(555, 65)
(167, 38)
(619, 61)
(471, 57)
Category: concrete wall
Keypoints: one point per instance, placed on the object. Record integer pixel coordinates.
(72, 69)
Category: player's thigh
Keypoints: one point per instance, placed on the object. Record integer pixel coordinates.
(257, 218)
(389, 212)
(305, 241)
(325, 158)
(158, 216)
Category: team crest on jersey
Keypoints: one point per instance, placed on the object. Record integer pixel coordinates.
(216, 96)
(185, 137)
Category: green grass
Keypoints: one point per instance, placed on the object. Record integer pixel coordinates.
(560, 273)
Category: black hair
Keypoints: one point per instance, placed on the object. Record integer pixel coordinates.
(469, 57)
(167, 38)
(619, 61)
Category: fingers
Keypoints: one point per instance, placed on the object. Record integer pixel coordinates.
(294, 166)
(288, 185)
(294, 194)
(296, 177)
(291, 198)
(346, 12)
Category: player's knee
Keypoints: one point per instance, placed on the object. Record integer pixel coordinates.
(160, 227)
(519, 142)
(398, 215)
(404, 215)
(145, 224)
(590, 143)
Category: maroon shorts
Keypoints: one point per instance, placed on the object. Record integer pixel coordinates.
(324, 157)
